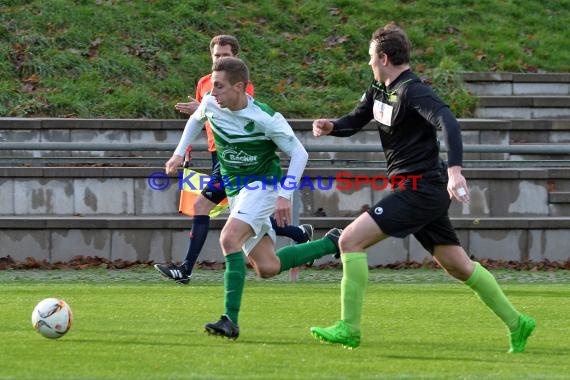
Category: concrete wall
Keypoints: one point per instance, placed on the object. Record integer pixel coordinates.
(56, 213)
(475, 131)
(166, 239)
(127, 191)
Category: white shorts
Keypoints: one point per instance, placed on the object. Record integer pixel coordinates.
(254, 204)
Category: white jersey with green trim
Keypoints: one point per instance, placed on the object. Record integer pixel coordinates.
(246, 141)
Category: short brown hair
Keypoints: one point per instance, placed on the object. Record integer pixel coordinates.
(235, 68)
(224, 39)
(392, 41)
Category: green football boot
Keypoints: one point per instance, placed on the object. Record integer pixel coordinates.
(520, 335)
(340, 333)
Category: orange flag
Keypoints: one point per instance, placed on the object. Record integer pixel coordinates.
(191, 191)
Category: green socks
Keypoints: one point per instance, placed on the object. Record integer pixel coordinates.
(293, 256)
(234, 280)
(352, 287)
(485, 285)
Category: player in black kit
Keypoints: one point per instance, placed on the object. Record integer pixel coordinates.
(408, 114)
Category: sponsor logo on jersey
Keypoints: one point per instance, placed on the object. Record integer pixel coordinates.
(234, 157)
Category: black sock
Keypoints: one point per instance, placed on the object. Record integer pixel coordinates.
(198, 234)
(292, 232)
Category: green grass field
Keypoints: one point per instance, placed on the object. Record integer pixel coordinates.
(132, 324)
(308, 59)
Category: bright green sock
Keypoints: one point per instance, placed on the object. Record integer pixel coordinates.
(293, 256)
(485, 285)
(234, 281)
(352, 287)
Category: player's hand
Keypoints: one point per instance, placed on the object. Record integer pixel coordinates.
(457, 185)
(188, 107)
(282, 213)
(322, 127)
(172, 165)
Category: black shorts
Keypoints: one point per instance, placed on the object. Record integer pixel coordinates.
(421, 212)
(214, 191)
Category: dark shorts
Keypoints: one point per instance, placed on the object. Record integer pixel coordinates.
(421, 212)
(214, 191)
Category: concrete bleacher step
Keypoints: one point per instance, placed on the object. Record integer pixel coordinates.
(162, 135)
(90, 191)
(506, 84)
(521, 95)
(519, 107)
(53, 211)
(57, 213)
(559, 202)
(163, 239)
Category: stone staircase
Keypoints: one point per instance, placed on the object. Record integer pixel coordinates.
(521, 96)
(58, 203)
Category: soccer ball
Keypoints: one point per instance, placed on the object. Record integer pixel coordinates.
(52, 318)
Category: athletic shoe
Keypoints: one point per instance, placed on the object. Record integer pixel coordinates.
(174, 272)
(520, 335)
(308, 231)
(334, 234)
(224, 327)
(341, 333)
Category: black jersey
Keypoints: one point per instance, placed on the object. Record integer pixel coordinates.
(408, 114)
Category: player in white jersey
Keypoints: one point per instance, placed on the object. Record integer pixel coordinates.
(213, 194)
(247, 136)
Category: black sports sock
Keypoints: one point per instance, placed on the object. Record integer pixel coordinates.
(292, 232)
(198, 234)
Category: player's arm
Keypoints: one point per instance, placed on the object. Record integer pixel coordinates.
(297, 163)
(282, 134)
(350, 123)
(192, 129)
(457, 185)
(433, 109)
(188, 107)
(192, 104)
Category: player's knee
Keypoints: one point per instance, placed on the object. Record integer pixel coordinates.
(268, 271)
(202, 206)
(462, 271)
(454, 261)
(346, 244)
(266, 268)
(459, 273)
(229, 243)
